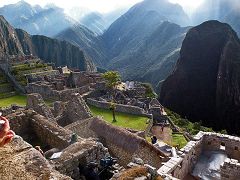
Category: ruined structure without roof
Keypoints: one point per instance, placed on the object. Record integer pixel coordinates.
(72, 138)
(184, 164)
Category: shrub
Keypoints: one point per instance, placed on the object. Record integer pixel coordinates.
(186, 125)
(149, 90)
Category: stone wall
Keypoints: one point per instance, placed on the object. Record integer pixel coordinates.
(20, 122)
(120, 142)
(180, 166)
(51, 133)
(64, 95)
(119, 107)
(11, 109)
(36, 102)
(38, 75)
(75, 109)
(230, 144)
(6, 70)
(79, 79)
(28, 123)
(80, 153)
(82, 128)
(47, 91)
(230, 170)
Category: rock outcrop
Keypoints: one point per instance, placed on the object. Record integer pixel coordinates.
(206, 82)
(19, 160)
(18, 42)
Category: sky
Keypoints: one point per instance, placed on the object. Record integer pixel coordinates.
(188, 5)
(102, 6)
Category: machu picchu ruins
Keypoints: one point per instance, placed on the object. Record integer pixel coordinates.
(57, 131)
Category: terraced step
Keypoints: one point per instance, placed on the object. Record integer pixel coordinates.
(7, 94)
(21, 71)
(3, 79)
(6, 87)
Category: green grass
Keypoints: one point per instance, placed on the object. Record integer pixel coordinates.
(186, 125)
(49, 102)
(178, 140)
(123, 120)
(18, 99)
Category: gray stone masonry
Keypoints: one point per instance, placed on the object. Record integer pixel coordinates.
(82, 152)
(180, 166)
(119, 107)
(75, 109)
(120, 142)
(36, 102)
(19, 160)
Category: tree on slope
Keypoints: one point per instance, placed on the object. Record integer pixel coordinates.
(112, 78)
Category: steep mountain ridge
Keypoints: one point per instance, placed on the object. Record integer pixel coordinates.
(139, 22)
(19, 42)
(88, 41)
(141, 42)
(94, 21)
(9, 44)
(205, 84)
(155, 57)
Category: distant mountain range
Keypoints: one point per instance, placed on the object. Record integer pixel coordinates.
(142, 44)
(140, 38)
(145, 39)
(36, 20)
(18, 42)
(88, 41)
(98, 23)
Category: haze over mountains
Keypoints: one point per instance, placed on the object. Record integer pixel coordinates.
(136, 40)
(36, 20)
(142, 44)
(223, 10)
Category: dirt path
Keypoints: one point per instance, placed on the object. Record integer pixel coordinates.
(165, 135)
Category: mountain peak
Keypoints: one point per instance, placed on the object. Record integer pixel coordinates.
(205, 84)
(22, 3)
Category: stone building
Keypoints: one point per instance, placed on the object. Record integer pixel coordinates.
(38, 130)
(221, 150)
(79, 79)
